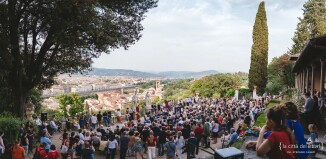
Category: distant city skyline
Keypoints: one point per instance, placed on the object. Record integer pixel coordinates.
(197, 35)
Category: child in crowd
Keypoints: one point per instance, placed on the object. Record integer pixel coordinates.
(313, 140)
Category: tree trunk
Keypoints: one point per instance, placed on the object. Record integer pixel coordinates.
(18, 92)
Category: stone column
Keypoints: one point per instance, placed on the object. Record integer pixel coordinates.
(322, 79)
(312, 79)
(300, 81)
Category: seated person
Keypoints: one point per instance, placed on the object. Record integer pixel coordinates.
(53, 125)
(233, 136)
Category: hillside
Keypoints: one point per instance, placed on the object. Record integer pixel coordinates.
(186, 74)
(169, 74)
(120, 72)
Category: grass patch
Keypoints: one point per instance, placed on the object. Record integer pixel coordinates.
(239, 143)
(261, 120)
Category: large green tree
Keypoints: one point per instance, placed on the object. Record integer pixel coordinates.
(216, 85)
(259, 52)
(40, 39)
(313, 23)
(280, 75)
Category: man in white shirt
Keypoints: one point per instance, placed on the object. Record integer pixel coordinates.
(94, 121)
(53, 125)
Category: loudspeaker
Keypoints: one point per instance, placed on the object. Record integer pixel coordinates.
(44, 116)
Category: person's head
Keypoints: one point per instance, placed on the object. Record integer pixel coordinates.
(312, 128)
(291, 110)
(179, 133)
(232, 130)
(307, 94)
(43, 144)
(276, 118)
(315, 99)
(87, 144)
(80, 130)
(87, 133)
(52, 147)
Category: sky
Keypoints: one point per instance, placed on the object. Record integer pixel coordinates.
(198, 35)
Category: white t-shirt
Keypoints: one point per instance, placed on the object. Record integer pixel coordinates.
(112, 144)
(215, 129)
(38, 122)
(81, 136)
(94, 119)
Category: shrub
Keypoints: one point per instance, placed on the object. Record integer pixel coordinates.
(10, 125)
(230, 93)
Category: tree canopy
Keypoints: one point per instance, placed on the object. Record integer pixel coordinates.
(216, 85)
(280, 75)
(40, 39)
(259, 52)
(313, 23)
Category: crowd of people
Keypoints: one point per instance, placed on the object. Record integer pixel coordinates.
(171, 129)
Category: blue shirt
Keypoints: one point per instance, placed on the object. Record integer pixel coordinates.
(299, 137)
(234, 137)
(170, 149)
(309, 104)
(47, 141)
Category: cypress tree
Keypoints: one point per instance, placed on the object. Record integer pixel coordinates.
(313, 23)
(259, 51)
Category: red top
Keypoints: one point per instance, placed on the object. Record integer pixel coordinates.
(151, 144)
(42, 153)
(199, 131)
(53, 155)
(281, 145)
(220, 120)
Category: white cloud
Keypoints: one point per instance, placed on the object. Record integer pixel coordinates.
(204, 35)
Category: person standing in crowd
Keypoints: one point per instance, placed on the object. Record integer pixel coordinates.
(105, 118)
(45, 139)
(144, 135)
(180, 143)
(24, 142)
(161, 141)
(138, 146)
(87, 152)
(170, 148)
(99, 119)
(191, 146)
(215, 131)
(198, 134)
(151, 142)
(18, 152)
(53, 154)
(112, 147)
(206, 133)
(124, 140)
(93, 121)
(233, 137)
(308, 107)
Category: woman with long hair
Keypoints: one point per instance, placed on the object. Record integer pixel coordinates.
(138, 148)
(180, 143)
(151, 142)
(279, 141)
